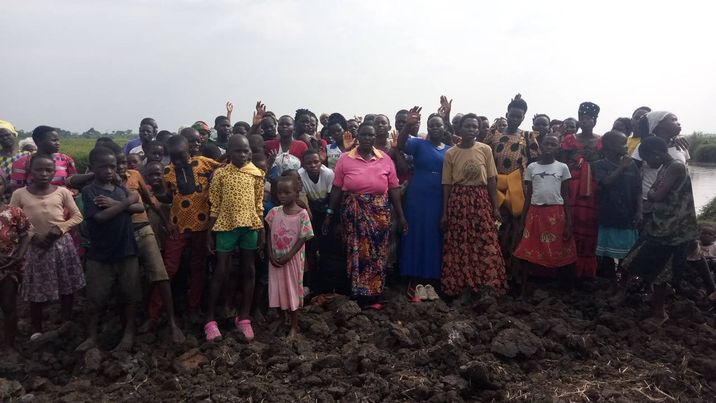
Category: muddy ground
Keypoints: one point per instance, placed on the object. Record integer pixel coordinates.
(552, 346)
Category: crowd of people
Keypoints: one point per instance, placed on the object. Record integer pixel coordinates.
(270, 213)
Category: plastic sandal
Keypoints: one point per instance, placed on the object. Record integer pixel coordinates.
(245, 327)
(412, 297)
(420, 292)
(375, 307)
(430, 292)
(212, 332)
(35, 336)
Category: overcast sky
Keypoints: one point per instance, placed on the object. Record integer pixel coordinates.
(106, 64)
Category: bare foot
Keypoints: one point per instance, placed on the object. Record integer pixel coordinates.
(177, 335)
(124, 345)
(86, 345)
(293, 333)
(148, 326)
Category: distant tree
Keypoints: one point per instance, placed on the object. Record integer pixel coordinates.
(92, 133)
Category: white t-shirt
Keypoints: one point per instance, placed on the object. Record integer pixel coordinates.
(547, 182)
(648, 174)
(317, 191)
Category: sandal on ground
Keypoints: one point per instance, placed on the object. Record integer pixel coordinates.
(212, 332)
(431, 294)
(375, 307)
(36, 336)
(412, 296)
(420, 292)
(245, 327)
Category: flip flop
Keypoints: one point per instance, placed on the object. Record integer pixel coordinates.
(245, 327)
(212, 332)
(420, 292)
(431, 294)
(375, 307)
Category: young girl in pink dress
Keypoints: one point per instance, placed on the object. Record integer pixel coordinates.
(289, 227)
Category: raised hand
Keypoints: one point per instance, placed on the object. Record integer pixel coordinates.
(229, 108)
(414, 116)
(348, 140)
(259, 113)
(445, 107)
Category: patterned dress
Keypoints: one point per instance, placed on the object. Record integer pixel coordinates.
(286, 282)
(13, 226)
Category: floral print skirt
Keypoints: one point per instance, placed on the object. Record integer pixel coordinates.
(471, 254)
(366, 231)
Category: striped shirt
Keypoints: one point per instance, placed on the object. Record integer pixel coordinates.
(64, 168)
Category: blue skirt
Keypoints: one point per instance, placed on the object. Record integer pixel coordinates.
(615, 242)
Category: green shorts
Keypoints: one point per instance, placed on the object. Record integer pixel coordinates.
(244, 237)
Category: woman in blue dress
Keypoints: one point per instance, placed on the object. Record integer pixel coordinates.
(421, 247)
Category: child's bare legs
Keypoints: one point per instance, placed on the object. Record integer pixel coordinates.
(92, 323)
(230, 285)
(130, 328)
(165, 290)
(8, 298)
(247, 257)
(294, 324)
(223, 261)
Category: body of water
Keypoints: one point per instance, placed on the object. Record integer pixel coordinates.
(703, 180)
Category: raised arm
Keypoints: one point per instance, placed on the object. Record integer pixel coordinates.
(413, 119)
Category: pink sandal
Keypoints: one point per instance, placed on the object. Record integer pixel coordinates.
(212, 332)
(245, 327)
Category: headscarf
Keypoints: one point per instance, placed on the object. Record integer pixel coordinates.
(589, 108)
(4, 124)
(654, 118)
(202, 128)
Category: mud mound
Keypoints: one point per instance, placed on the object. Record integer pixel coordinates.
(553, 346)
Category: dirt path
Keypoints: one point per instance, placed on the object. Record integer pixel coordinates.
(554, 346)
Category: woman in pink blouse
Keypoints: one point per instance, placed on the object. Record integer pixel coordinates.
(365, 178)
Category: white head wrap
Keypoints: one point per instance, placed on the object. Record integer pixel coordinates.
(654, 118)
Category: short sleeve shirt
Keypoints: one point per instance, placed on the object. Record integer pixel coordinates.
(468, 166)
(316, 191)
(113, 239)
(355, 175)
(64, 168)
(189, 186)
(547, 182)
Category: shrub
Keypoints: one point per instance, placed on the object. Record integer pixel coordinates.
(705, 153)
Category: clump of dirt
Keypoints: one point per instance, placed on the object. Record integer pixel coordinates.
(551, 346)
